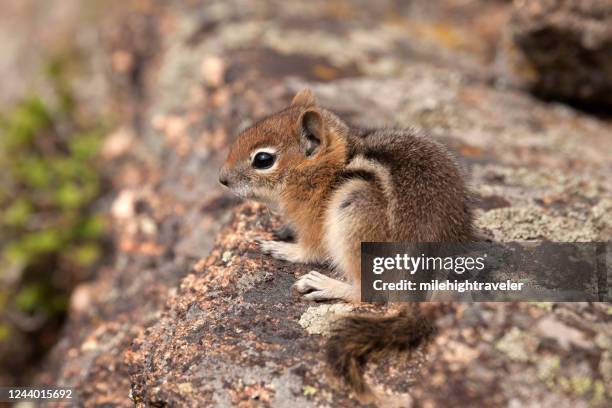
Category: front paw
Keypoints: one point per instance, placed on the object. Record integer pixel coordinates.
(278, 250)
(318, 287)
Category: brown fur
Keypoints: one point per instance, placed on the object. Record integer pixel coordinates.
(351, 185)
(357, 339)
(308, 185)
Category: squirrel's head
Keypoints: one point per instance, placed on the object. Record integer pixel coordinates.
(263, 156)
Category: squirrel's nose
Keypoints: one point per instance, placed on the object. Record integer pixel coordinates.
(223, 178)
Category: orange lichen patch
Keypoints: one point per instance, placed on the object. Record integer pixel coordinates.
(143, 248)
(325, 72)
(471, 151)
(341, 9)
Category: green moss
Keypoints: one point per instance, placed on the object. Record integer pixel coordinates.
(599, 393)
(309, 390)
(30, 297)
(33, 172)
(24, 122)
(547, 306)
(548, 370)
(5, 332)
(581, 385)
(17, 213)
(49, 178)
(85, 255)
(90, 227)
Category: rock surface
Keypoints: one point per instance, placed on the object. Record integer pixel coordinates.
(190, 313)
(234, 316)
(235, 335)
(232, 335)
(562, 49)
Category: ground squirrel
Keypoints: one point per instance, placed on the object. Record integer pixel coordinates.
(338, 186)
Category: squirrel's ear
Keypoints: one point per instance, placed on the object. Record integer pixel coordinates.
(311, 132)
(303, 98)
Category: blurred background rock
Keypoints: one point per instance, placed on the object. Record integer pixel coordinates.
(51, 128)
(560, 50)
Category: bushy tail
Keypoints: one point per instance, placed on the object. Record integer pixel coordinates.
(358, 339)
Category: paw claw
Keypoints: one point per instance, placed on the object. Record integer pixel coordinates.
(284, 251)
(303, 284)
(316, 286)
(319, 295)
(265, 246)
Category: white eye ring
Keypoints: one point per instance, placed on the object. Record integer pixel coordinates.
(269, 151)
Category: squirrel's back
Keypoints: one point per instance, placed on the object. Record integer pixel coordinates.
(427, 197)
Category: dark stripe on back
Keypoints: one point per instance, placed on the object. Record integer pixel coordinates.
(379, 156)
(350, 199)
(357, 135)
(363, 133)
(359, 174)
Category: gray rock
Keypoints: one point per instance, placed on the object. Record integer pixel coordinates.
(562, 49)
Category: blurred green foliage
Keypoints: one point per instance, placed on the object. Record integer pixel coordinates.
(49, 178)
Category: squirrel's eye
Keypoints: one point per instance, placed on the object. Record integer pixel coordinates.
(263, 160)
